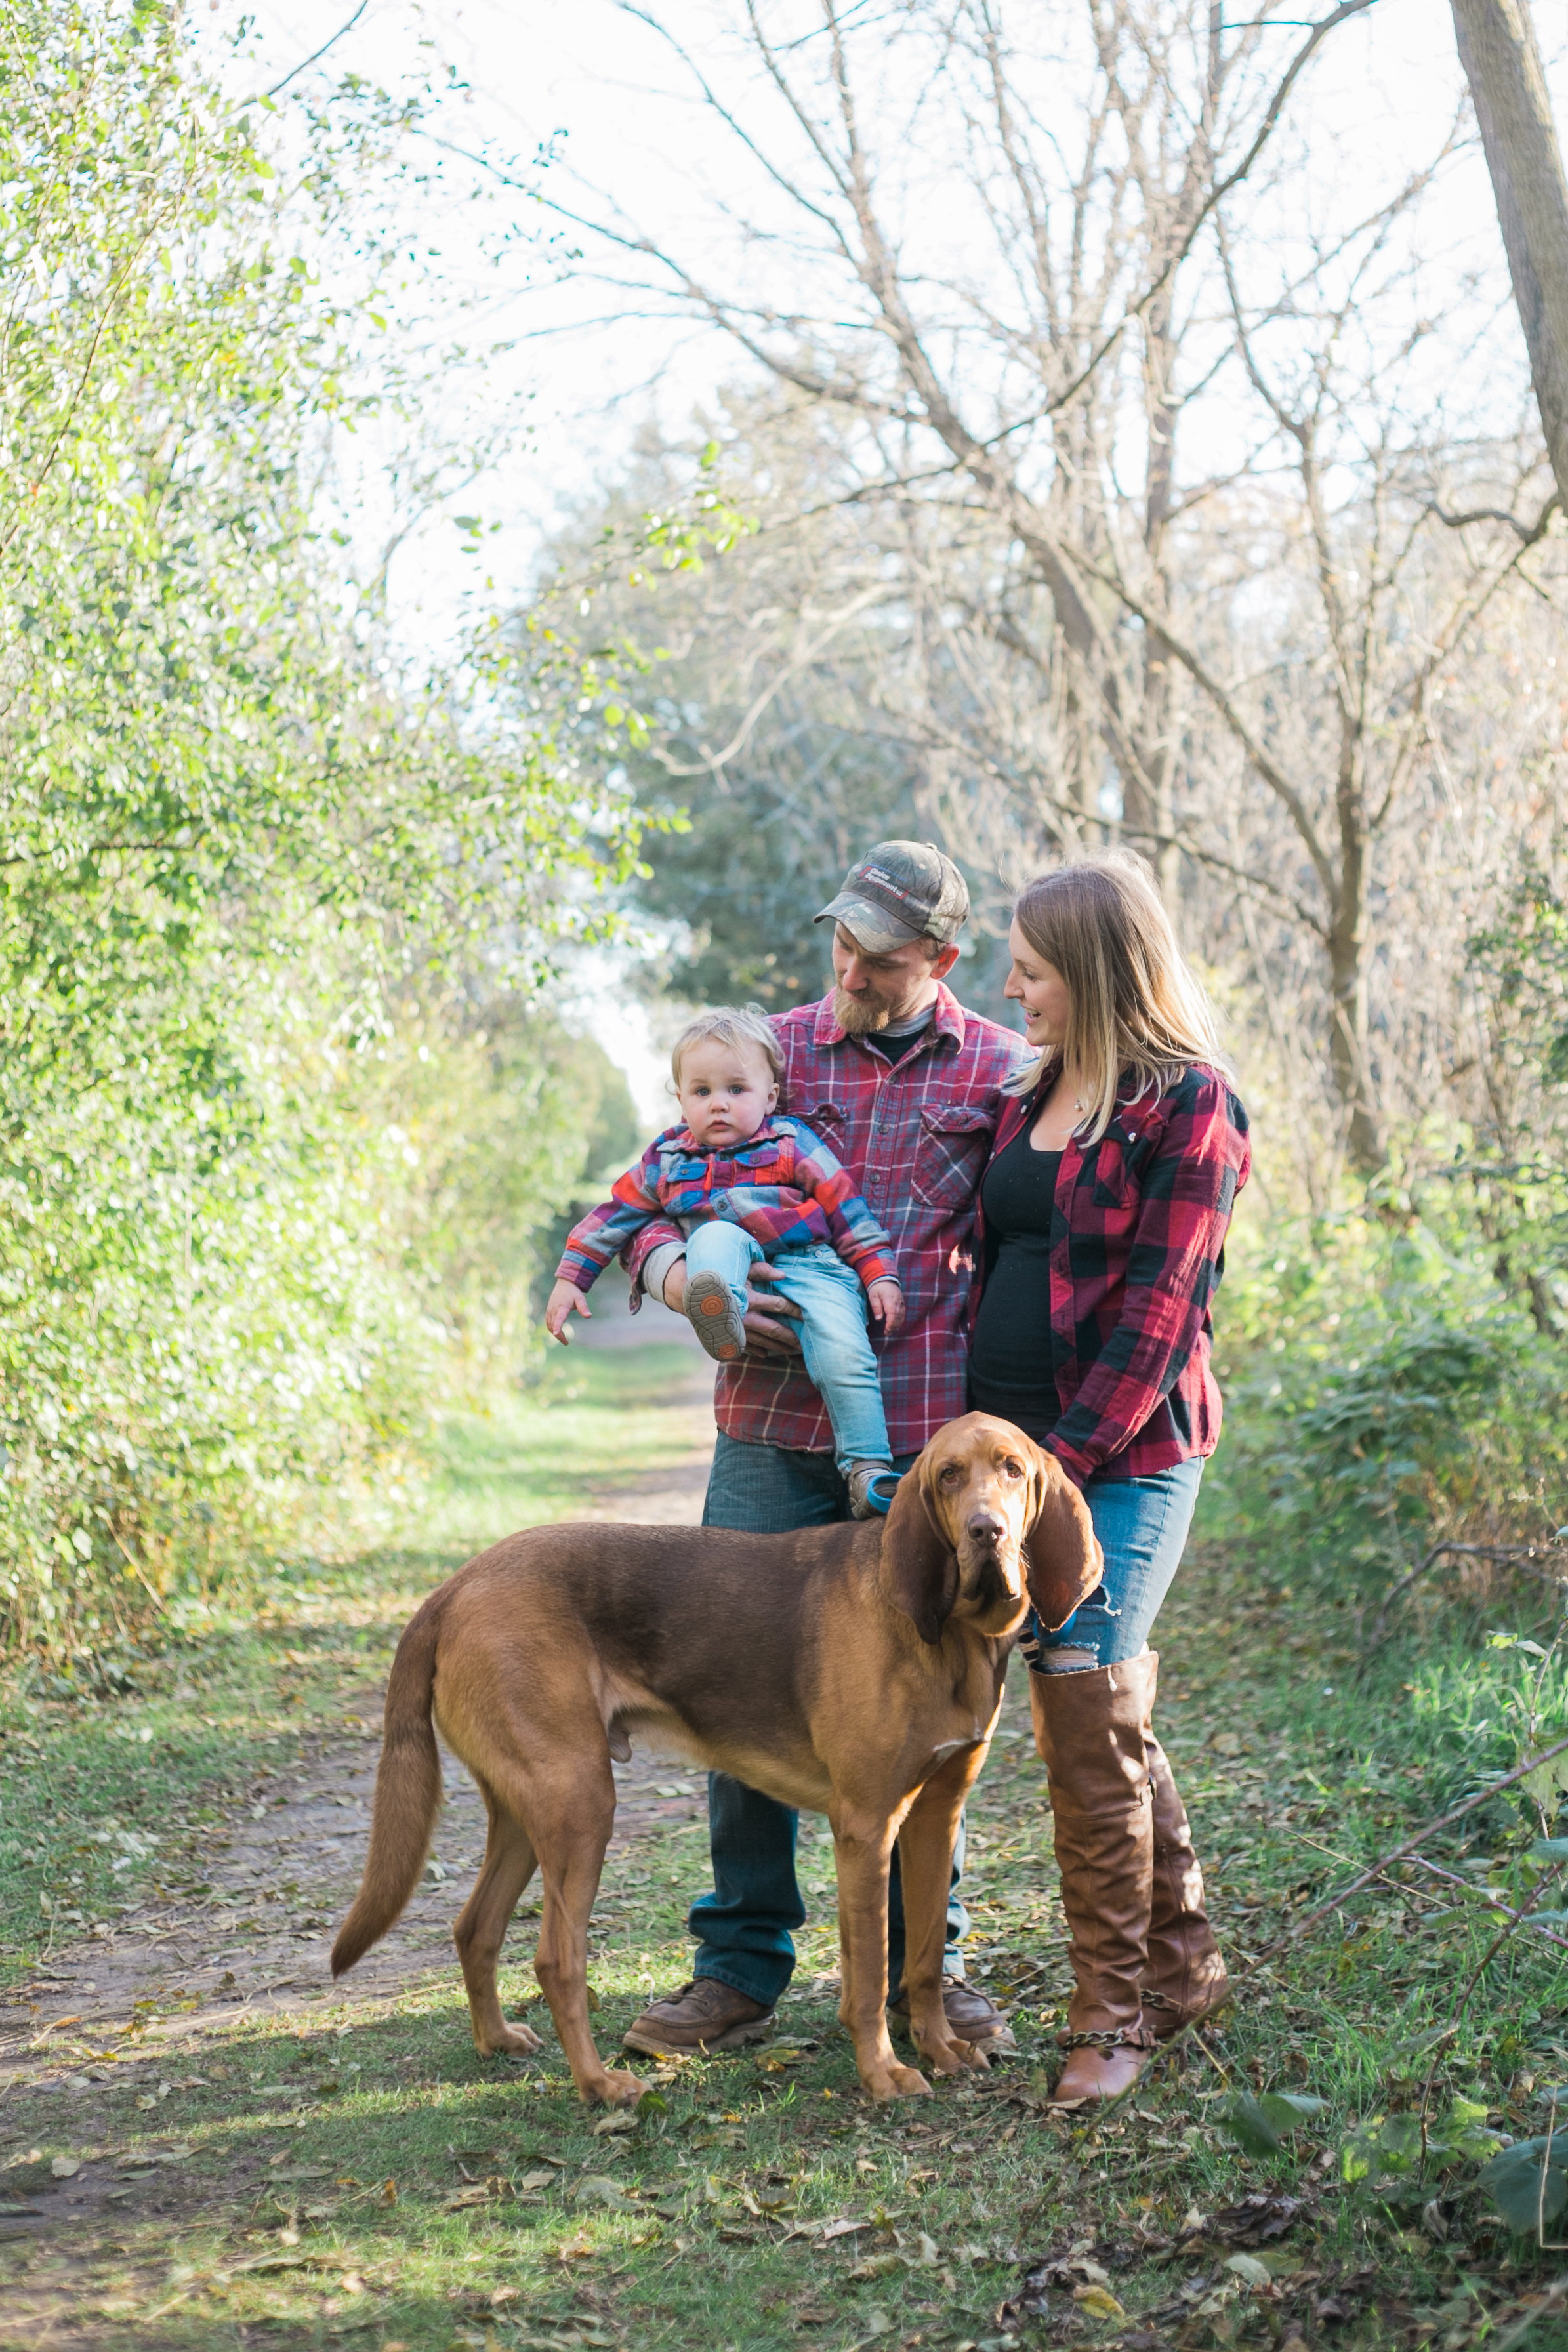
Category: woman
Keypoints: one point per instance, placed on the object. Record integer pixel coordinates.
(1104, 1211)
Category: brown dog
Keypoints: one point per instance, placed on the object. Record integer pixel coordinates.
(853, 1670)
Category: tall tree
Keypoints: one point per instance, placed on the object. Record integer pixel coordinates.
(1502, 65)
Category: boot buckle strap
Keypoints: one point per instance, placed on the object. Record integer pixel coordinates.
(1114, 2040)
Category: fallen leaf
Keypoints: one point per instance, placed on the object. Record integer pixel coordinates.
(623, 2120)
(1098, 2301)
(876, 2322)
(1254, 2222)
(877, 2266)
(65, 2168)
(575, 2249)
(537, 2179)
(1249, 2269)
(388, 2194)
(598, 2189)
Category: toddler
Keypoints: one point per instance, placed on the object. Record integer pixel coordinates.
(744, 1184)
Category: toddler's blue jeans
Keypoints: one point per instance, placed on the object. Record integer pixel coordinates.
(833, 1335)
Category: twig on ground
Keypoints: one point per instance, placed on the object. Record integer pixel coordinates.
(1493, 1902)
(1519, 1555)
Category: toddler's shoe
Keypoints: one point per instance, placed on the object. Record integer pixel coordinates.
(871, 1486)
(716, 1316)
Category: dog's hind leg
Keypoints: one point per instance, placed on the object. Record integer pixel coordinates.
(569, 1810)
(509, 1863)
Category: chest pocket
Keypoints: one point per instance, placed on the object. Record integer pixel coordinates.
(1122, 1156)
(824, 1119)
(951, 1153)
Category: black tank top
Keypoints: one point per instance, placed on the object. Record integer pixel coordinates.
(1010, 1356)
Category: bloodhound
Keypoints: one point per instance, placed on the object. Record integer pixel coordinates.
(853, 1671)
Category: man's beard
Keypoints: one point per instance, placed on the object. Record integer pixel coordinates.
(859, 1016)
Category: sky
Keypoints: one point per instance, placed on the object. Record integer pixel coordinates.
(575, 366)
(604, 93)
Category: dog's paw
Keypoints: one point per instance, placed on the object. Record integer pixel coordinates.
(945, 2054)
(513, 2041)
(614, 2088)
(884, 2083)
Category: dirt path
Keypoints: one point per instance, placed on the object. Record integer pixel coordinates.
(238, 1927)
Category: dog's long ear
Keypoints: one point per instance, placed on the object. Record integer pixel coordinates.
(1061, 1551)
(921, 1567)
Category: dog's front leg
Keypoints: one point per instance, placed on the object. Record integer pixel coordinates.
(925, 1867)
(863, 1845)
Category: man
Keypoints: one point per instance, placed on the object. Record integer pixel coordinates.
(905, 1087)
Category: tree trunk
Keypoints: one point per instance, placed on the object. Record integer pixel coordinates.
(1502, 65)
(1350, 949)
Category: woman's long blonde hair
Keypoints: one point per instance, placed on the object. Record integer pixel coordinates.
(1138, 1010)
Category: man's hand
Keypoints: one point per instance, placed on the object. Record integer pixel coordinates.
(886, 1301)
(564, 1301)
(769, 1316)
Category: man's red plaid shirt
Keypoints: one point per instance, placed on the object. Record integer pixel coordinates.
(1137, 1253)
(915, 1136)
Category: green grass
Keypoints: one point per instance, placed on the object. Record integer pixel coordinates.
(713, 2229)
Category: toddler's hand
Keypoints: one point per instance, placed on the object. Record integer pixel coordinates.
(564, 1301)
(886, 1301)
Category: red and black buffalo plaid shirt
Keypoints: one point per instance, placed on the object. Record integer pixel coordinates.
(1137, 1254)
(914, 1135)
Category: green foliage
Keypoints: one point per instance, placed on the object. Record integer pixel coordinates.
(248, 866)
(1528, 2183)
(1383, 1387)
(1396, 2149)
(1261, 2125)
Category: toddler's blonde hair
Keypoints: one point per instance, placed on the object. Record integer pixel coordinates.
(735, 1025)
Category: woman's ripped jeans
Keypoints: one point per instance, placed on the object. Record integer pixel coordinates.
(1141, 1524)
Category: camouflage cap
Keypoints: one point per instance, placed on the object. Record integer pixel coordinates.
(899, 892)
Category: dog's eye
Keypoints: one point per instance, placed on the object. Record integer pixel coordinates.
(951, 1475)
(1012, 1469)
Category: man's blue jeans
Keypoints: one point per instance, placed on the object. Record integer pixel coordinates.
(833, 1335)
(744, 1928)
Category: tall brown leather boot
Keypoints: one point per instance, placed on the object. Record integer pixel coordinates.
(1184, 1977)
(1088, 1729)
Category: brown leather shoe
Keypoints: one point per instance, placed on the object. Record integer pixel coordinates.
(1186, 1977)
(971, 2014)
(703, 2016)
(1089, 1728)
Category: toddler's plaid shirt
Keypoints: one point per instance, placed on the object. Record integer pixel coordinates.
(913, 1137)
(783, 1186)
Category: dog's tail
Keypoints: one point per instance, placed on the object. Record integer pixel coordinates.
(407, 1792)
